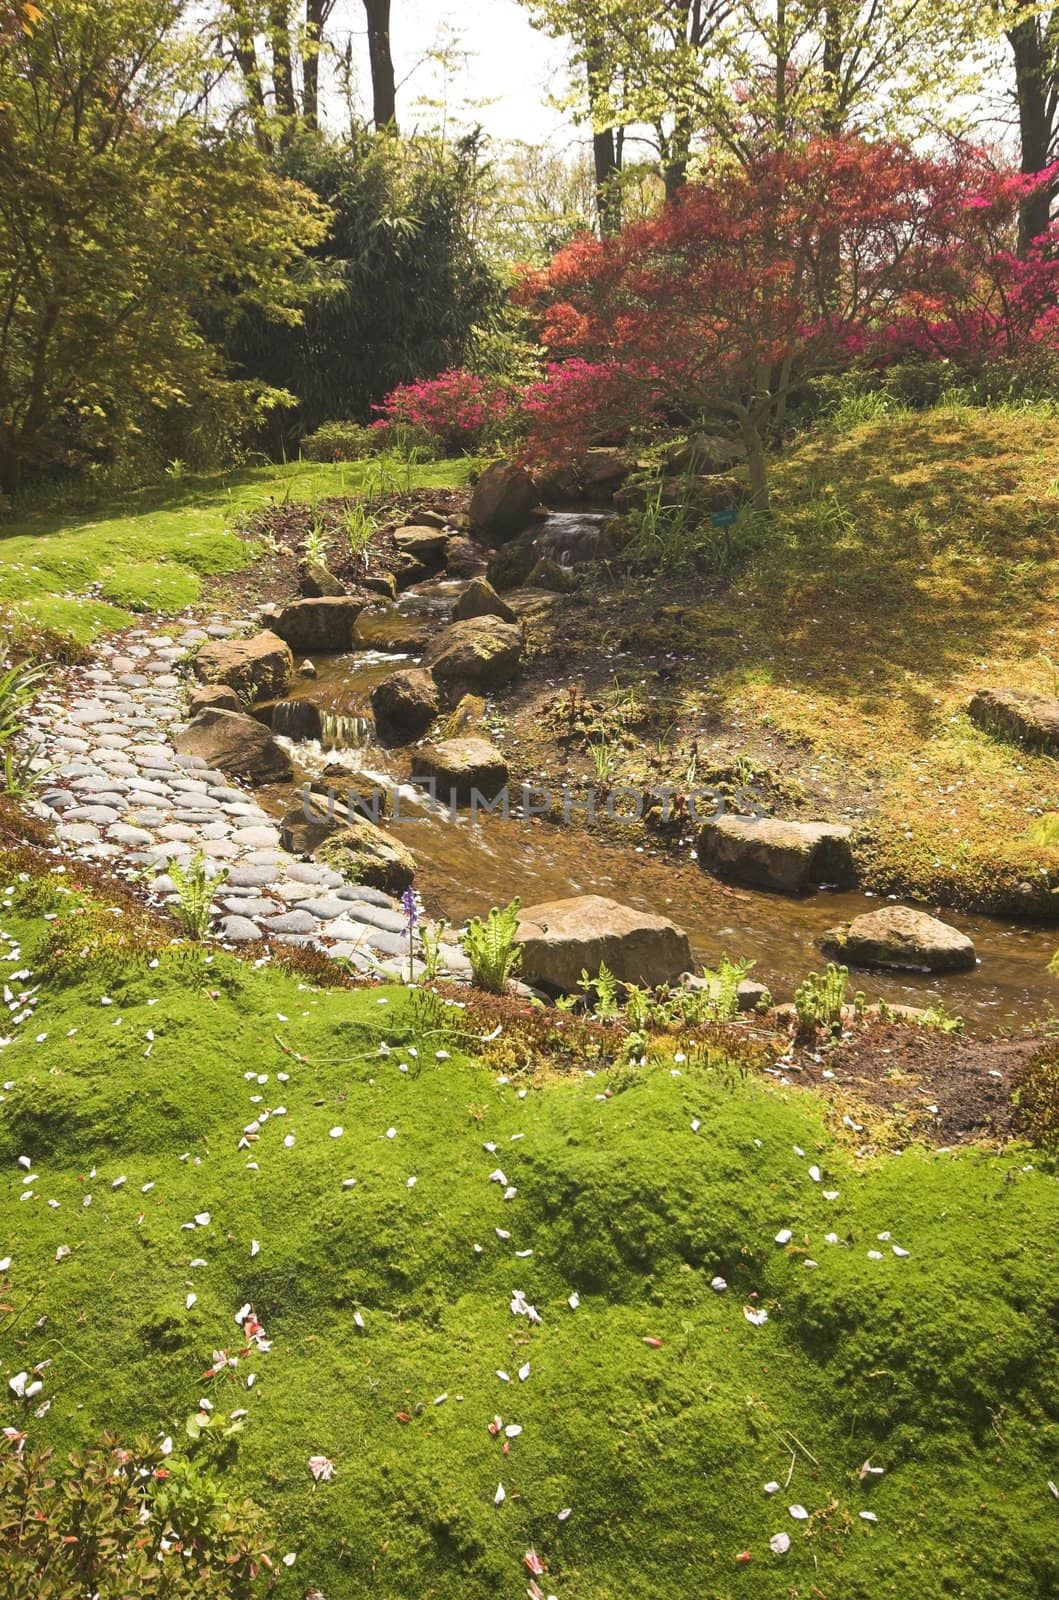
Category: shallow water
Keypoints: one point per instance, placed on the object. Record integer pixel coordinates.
(464, 869)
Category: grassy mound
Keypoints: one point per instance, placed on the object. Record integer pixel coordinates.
(655, 1409)
(151, 551)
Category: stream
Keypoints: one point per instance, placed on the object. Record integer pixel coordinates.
(466, 868)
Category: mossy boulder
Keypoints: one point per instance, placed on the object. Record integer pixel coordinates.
(367, 854)
(480, 599)
(480, 653)
(258, 668)
(404, 705)
(462, 767)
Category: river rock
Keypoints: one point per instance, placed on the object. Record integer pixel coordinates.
(480, 653)
(462, 766)
(1019, 714)
(216, 695)
(503, 499)
(258, 668)
(422, 543)
(601, 471)
(562, 938)
(404, 705)
(235, 743)
(368, 855)
(320, 627)
(480, 599)
(383, 583)
(463, 558)
(897, 936)
(316, 582)
(510, 566)
(767, 853)
(548, 574)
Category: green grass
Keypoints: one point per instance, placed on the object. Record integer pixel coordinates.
(85, 572)
(941, 1367)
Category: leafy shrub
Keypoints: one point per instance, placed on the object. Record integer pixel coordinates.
(195, 892)
(491, 949)
(459, 408)
(115, 1523)
(339, 441)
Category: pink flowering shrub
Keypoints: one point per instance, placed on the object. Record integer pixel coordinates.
(459, 408)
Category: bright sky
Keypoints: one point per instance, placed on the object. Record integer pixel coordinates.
(504, 72)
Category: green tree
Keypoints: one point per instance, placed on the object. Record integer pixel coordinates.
(128, 228)
(682, 74)
(404, 286)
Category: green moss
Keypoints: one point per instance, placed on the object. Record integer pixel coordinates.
(148, 551)
(151, 586)
(941, 1366)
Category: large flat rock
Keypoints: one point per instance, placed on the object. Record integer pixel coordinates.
(235, 743)
(562, 938)
(259, 668)
(320, 627)
(898, 936)
(1020, 715)
(767, 853)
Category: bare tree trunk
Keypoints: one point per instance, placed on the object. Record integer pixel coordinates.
(606, 151)
(282, 65)
(315, 17)
(250, 68)
(383, 86)
(1036, 57)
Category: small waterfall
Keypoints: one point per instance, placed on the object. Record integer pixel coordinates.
(571, 537)
(301, 721)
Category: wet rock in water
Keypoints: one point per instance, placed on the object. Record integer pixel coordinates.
(424, 544)
(480, 599)
(463, 558)
(480, 653)
(463, 767)
(767, 853)
(503, 499)
(258, 668)
(315, 582)
(548, 574)
(897, 936)
(383, 583)
(218, 695)
(562, 938)
(407, 571)
(366, 854)
(236, 744)
(509, 567)
(307, 670)
(1018, 714)
(320, 626)
(404, 705)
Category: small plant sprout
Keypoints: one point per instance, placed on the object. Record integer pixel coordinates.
(491, 949)
(195, 891)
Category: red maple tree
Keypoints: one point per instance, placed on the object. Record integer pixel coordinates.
(800, 262)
